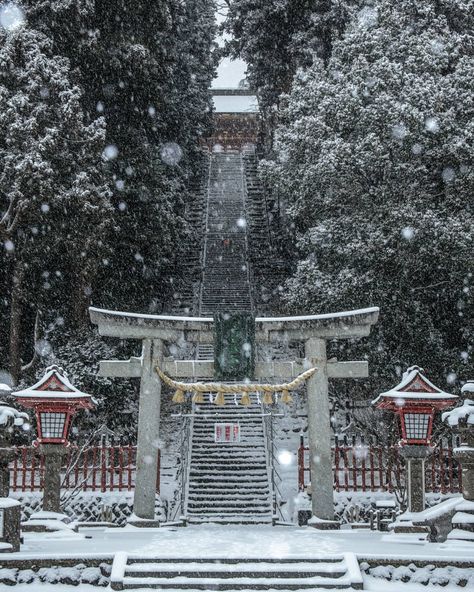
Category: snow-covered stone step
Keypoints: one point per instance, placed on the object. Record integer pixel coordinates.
(202, 477)
(222, 447)
(255, 569)
(221, 513)
(229, 504)
(239, 466)
(205, 413)
(228, 471)
(230, 494)
(223, 486)
(238, 583)
(459, 534)
(225, 456)
(231, 518)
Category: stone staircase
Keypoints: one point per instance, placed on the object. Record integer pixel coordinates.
(463, 522)
(229, 482)
(339, 572)
(225, 278)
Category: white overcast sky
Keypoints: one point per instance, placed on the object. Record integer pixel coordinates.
(229, 72)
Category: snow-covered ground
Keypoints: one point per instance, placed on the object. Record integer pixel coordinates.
(370, 584)
(238, 541)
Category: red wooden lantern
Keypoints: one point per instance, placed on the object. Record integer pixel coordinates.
(55, 401)
(415, 400)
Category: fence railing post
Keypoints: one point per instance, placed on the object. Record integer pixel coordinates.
(301, 467)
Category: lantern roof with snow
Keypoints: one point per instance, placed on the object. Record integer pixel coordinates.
(55, 401)
(415, 400)
(414, 389)
(54, 386)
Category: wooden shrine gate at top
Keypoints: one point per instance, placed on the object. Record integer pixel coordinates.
(312, 330)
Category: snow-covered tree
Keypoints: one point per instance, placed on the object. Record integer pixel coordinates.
(374, 161)
(146, 68)
(275, 38)
(54, 205)
(129, 91)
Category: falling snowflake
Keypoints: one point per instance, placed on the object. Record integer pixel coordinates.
(432, 125)
(448, 174)
(43, 347)
(285, 457)
(408, 233)
(11, 16)
(110, 152)
(399, 131)
(171, 153)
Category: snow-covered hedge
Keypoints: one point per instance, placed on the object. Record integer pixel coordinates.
(72, 575)
(428, 575)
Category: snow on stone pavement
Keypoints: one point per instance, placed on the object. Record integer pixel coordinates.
(238, 541)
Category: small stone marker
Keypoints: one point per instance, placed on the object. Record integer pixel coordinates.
(10, 517)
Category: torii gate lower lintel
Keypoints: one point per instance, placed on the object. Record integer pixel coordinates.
(313, 330)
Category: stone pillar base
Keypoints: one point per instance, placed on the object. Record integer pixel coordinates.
(321, 524)
(143, 522)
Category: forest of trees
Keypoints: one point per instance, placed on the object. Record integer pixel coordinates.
(102, 106)
(367, 116)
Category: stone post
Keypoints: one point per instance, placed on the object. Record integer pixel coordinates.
(6, 456)
(464, 454)
(415, 456)
(148, 432)
(319, 432)
(53, 461)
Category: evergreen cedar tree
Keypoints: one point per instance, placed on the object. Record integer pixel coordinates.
(131, 75)
(374, 161)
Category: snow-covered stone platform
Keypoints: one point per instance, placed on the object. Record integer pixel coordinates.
(131, 554)
(237, 541)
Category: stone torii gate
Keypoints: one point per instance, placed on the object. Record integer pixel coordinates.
(313, 330)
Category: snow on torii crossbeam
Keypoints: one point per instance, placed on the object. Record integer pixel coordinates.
(313, 330)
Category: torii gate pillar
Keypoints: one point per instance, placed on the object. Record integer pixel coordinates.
(319, 432)
(148, 430)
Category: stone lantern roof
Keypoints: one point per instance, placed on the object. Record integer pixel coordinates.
(54, 384)
(414, 386)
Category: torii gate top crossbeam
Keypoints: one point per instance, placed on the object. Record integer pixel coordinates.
(341, 325)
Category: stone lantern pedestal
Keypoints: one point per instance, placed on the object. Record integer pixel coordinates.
(461, 420)
(10, 509)
(53, 461)
(415, 456)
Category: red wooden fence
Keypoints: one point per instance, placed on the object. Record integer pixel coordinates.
(95, 468)
(377, 468)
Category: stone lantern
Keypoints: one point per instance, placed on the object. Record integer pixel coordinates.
(10, 509)
(415, 400)
(461, 420)
(55, 402)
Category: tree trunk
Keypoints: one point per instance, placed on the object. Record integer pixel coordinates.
(15, 322)
(80, 301)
